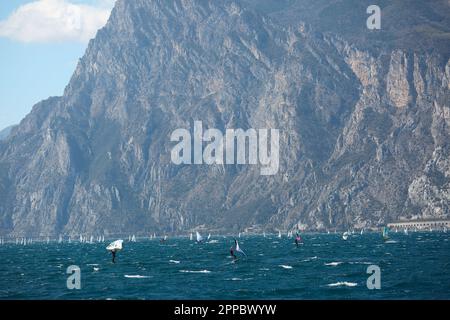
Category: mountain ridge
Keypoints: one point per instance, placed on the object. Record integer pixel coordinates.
(4, 133)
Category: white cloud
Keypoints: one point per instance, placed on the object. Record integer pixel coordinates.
(56, 21)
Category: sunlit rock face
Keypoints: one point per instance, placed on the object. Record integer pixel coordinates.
(363, 131)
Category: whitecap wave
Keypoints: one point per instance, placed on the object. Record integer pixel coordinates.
(309, 259)
(174, 261)
(334, 264)
(285, 266)
(195, 271)
(343, 284)
(136, 276)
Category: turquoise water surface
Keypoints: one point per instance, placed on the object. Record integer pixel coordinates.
(413, 266)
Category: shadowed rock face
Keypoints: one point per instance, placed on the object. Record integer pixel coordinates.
(363, 134)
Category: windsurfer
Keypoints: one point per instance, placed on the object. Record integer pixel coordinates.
(232, 253)
(298, 240)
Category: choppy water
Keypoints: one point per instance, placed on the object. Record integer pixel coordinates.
(414, 266)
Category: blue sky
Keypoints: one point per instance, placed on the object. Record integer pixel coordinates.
(40, 44)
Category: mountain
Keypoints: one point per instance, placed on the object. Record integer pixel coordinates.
(363, 132)
(5, 132)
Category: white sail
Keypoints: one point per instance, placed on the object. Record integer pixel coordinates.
(199, 237)
(345, 235)
(190, 237)
(115, 246)
(279, 234)
(209, 236)
(238, 249)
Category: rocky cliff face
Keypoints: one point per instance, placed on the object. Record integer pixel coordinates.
(363, 133)
(5, 132)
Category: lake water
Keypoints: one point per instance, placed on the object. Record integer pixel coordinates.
(414, 266)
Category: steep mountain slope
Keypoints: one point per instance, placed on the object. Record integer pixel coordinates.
(405, 24)
(363, 136)
(5, 132)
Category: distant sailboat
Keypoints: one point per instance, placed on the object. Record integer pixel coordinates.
(133, 238)
(239, 235)
(190, 237)
(362, 231)
(60, 239)
(209, 237)
(345, 235)
(199, 237)
(279, 234)
(385, 233)
(406, 231)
